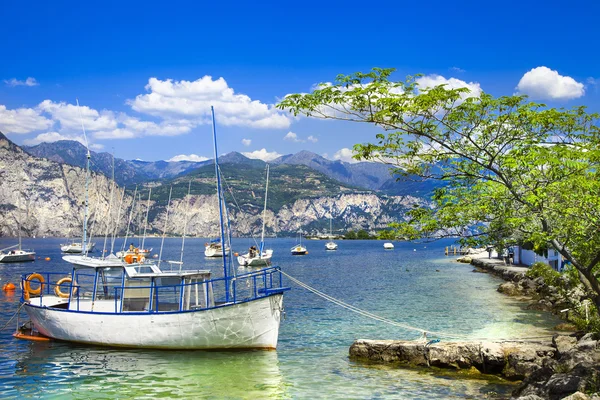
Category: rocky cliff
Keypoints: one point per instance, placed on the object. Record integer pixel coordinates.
(46, 198)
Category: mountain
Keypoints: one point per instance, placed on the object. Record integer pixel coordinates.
(126, 172)
(369, 175)
(48, 196)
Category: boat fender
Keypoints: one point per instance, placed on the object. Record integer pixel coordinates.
(27, 290)
(57, 290)
(129, 258)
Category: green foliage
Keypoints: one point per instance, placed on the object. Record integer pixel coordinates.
(543, 270)
(386, 235)
(514, 170)
(361, 235)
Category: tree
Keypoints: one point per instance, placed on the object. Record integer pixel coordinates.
(514, 170)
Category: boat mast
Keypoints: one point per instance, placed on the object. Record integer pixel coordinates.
(187, 219)
(109, 213)
(87, 178)
(146, 222)
(220, 200)
(262, 236)
(162, 242)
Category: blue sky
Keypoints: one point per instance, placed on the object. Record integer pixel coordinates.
(141, 69)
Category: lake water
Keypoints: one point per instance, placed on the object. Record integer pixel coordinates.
(413, 284)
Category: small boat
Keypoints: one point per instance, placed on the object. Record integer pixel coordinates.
(77, 247)
(214, 249)
(388, 246)
(139, 305)
(259, 257)
(299, 250)
(18, 255)
(134, 251)
(331, 245)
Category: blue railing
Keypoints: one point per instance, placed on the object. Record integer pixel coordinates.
(154, 297)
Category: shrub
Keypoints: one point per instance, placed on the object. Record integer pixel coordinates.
(544, 271)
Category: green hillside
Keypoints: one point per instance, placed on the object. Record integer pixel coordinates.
(287, 183)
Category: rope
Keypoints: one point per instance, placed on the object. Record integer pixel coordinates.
(398, 324)
(11, 318)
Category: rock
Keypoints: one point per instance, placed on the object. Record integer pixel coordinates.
(509, 288)
(530, 397)
(465, 259)
(563, 384)
(577, 396)
(564, 343)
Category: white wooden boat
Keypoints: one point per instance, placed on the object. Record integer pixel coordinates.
(141, 306)
(388, 246)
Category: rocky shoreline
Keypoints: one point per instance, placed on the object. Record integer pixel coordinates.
(566, 366)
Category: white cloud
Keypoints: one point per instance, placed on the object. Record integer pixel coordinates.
(192, 100)
(15, 82)
(545, 83)
(262, 154)
(246, 142)
(50, 137)
(430, 81)
(292, 137)
(191, 157)
(457, 69)
(70, 116)
(344, 154)
(22, 120)
(313, 139)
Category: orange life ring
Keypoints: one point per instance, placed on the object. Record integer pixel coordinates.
(27, 290)
(59, 293)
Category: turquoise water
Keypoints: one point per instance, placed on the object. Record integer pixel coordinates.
(413, 284)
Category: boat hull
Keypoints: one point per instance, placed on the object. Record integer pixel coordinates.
(77, 248)
(247, 325)
(14, 258)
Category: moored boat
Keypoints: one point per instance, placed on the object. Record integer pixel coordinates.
(388, 246)
(139, 305)
(77, 247)
(17, 255)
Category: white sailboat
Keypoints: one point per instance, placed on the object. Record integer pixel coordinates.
(299, 250)
(18, 255)
(259, 257)
(84, 246)
(331, 245)
(388, 246)
(215, 249)
(141, 306)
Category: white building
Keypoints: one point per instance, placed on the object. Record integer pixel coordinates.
(528, 257)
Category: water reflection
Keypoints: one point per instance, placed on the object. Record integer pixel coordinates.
(84, 372)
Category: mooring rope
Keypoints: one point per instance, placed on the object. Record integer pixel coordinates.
(385, 320)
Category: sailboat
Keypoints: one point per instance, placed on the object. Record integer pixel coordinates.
(259, 257)
(18, 255)
(84, 246)
(142, 306)
(215, 249)
(331, 245)
(299, 250)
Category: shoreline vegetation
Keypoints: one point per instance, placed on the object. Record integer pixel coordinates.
(562, 366)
